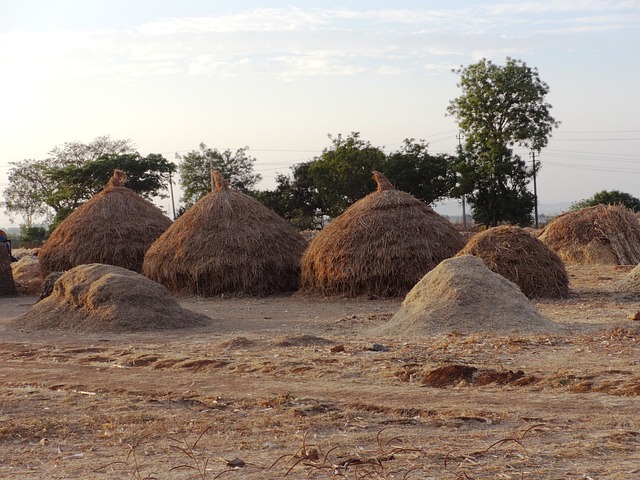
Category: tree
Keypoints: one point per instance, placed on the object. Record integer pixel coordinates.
(500, 107)
(33, 235)
(612, 197)
(195, 171)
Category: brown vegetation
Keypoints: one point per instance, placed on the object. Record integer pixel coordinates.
(7, 284)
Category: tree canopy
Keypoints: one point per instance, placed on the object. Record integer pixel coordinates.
(500, 107)
(611, 197)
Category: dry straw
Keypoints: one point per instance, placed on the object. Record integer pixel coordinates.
(227, 243)
(26, 274)
(381, 246)
(115, 227)
(604, 234)
(105, 298)
(521, 258)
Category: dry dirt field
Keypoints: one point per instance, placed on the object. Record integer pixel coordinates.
(291, 387)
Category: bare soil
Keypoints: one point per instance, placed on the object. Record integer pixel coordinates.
(298, 387)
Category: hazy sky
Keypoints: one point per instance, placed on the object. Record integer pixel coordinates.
(279, 76)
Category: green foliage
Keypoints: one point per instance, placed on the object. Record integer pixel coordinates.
(196, 166)
(611, 197)
(27, 187)
(33, 235)
(500, 107)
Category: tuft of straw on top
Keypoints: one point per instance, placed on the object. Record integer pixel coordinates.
(219, 181)
(382, 181)
(118, 179)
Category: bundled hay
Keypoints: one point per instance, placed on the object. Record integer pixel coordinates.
(380, 246)
(227, 243)
(114, 227)
(463, 295)
(630, 283)
(26, 274)
(522, 259)
(104, 298)
(604, 234)
(7, 284)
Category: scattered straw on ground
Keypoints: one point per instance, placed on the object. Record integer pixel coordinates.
(105, 298)
(26, 274)
(462, 295)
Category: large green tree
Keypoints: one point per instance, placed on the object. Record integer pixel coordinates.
(196, 166)
(609, 197)
(500, 107)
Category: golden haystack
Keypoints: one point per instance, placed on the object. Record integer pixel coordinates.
(114, 227)
(7, 285)
(604, 234)
(227, 243)
(105, 298)
(521, 258)
(380, 246)
(26, 274)
(462, 295)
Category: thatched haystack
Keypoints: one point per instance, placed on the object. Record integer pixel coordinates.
(521, 258)
(105, 298)
(7, 284)
(227, 243)
(382, 245)
(26, 274)
(604, 234)
(462, 295)
(114, 227)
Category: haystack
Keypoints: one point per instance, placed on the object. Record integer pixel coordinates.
(462, 295)
(7, 284)
(26, 274)
(521, 258)
(114, 227)
(604, 234)
(105, 298)
(227, 243)
(382, 245)
(630, 283)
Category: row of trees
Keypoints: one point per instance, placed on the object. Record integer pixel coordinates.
(500, 107)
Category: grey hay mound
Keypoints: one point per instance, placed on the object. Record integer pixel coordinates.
(106, 298)
(462, 295)
(630, 283)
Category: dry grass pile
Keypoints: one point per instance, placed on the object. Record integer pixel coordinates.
(105, 298)
(521, 258)
(630, 283)
(462, 295)
(114, 227)
(26, 274)
(227, 243)
(604, 234)
(7, 284)
(382, 245)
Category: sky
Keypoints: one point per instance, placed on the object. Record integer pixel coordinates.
(279, 77)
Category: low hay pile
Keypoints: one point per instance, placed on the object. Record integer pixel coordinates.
(227, 243)
(382, 245)
(462, 295)
(630, 283)
(26, 274)
(604, 234)
(114, 227)
(105, 298)
(521, 258)
(7, 284)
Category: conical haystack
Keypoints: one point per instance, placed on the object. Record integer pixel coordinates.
(104, 298)
(630, 283)
(381, 245)
(521, 258)
(7, 284)
(604, 234)
(462, 295)
(114, 227)
(227, 243)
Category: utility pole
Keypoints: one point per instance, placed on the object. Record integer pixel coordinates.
(464, 210)
(535, 187)
(173, 204)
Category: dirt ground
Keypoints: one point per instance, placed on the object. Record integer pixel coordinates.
(299, 388)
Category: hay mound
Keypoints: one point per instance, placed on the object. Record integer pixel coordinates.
(114, 227)
(520, 257)
(630, 283)
(604, 234)
(382, 245)
(26, 274)
(227, 243)
(7, 284)
(463, 295)
(105, 298)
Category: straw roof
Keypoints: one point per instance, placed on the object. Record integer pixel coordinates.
(380, 246)
(7, 284)
(521, 258)
(105, 298)
(462, 295)
(604, 234)
(115, 227)
(227, 243)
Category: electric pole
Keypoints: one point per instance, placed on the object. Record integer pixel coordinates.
(535, 187)
(464, 210)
